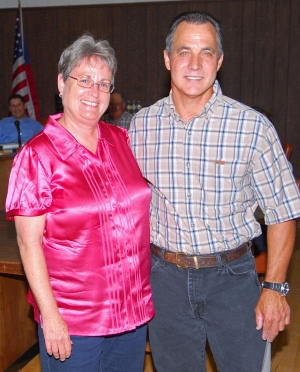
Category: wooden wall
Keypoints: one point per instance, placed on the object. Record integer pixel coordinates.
(262, 52)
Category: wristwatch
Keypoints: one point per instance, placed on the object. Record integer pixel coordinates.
(282, 288)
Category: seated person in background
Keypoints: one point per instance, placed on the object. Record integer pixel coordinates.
(116, 112)
(28, 127)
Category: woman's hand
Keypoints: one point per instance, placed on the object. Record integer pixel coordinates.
(57, 338)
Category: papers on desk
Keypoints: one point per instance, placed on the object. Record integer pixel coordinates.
(5, 153)
(10, 146)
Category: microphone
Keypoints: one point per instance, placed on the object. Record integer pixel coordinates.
(17, 124)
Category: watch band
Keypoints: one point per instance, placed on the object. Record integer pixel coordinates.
(282, 288)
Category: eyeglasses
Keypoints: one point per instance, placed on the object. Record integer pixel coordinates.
(86, 82)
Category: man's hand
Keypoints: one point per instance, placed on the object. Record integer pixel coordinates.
(272, 310)
(272, 314)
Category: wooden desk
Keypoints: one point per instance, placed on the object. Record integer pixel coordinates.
(18, 330)
(5, 167)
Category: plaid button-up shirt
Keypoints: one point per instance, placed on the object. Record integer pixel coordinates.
(208, 176)
(123, 122)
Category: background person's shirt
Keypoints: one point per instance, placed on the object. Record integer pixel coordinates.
(28, 128)
(123, 122)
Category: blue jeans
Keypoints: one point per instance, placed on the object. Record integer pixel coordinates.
(210, 304)
(120, 353)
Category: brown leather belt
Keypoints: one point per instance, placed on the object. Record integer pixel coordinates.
(199, 261)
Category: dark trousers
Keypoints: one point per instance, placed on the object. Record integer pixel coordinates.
(215, 304)
(119, 353)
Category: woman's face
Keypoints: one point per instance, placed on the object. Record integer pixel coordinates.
(85, 105)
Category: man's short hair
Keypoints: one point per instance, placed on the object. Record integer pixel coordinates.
(15, 96)
(198, 18)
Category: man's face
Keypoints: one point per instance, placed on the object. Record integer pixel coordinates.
(194, 61)
(17, 108)
(116, 106)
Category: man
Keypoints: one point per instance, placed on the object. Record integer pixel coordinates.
(210, 161)
(116, 112)
(28, 127)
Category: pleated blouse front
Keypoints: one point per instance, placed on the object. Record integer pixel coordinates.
(96, 238)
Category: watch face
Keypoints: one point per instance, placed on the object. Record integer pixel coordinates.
(285, 289)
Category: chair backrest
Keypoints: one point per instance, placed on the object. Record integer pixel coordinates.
(287, 148)
(298, 182)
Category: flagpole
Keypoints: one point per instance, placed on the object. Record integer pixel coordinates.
(22, 77)
(21, 23)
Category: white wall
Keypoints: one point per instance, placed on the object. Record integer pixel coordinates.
(45, 3)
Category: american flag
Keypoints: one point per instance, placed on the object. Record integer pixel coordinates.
(22, 78)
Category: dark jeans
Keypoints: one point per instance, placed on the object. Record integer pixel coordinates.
(215, 304)
(121, 353)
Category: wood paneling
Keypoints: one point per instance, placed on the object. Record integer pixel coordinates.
(261, 44)
(247, 69)
(18, 330)
(5, 167)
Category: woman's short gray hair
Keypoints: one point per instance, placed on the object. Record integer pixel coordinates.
(87, 47)
(195, 17)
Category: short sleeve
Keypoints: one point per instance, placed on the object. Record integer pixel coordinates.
(277, 192)
(29, 192)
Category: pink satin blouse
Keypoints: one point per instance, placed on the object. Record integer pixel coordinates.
(96, 238)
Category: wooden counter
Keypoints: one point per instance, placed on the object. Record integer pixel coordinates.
(10, 260)
(5, 167)
(18, 330)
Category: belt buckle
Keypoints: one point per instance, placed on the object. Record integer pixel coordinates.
(178, 254)
(185, 254)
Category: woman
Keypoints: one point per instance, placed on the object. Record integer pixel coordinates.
(81, 209)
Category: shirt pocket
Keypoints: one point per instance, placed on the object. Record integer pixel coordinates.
(227, 181)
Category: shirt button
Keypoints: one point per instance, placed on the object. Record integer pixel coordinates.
(189, 195)
(192, 225)
(188, 165)
(189, 133)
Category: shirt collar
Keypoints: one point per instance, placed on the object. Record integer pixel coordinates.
(63, 141)
(217, 94)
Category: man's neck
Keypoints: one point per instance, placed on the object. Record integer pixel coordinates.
(22, 118)
(188, 107)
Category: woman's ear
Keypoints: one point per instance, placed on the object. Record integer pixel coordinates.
(60, 83)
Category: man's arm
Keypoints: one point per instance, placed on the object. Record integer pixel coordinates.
(272, 310)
